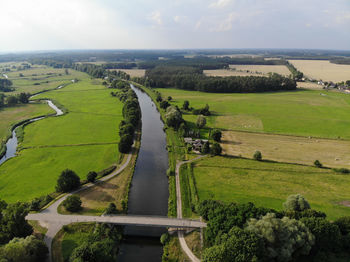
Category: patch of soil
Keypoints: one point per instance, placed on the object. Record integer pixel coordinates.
(345, 203)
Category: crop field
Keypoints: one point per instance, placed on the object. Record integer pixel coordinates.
(304, 112)
(12, 115)
(323, 70)
(132, 72)
(309, 85)
(269, 184)
(84, 139)
(262, 69)
(39, 78)
(294, 149)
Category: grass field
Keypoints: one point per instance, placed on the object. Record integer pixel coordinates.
(323, 70)
(303, 113)
(12, 115)
(39, 78)
(301, 150)
(83, 140)
(269, 184)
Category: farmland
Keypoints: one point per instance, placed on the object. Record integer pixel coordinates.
(134, 72)
(268, 184)
(323, 70)
(264, 69)
(301, 113)
(83, 140)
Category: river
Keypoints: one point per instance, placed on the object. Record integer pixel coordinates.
(12, 143)
(149, 188)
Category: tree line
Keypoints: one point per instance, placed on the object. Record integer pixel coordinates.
(190, 79)
(244, 232)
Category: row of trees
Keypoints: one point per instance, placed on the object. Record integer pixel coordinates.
(297, 75)
(244, 232)
(190, 79)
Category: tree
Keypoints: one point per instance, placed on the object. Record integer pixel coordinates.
(23, 98)
(186, 105)
(125, 143)
(72, 203)
(127, 129)
(285, 239)
(296, 203)
(170, 98)
(215, 149)
(111, 209)
(205, 148)
(201, 121)
(2, 100)
(238, 245)
(29, 249)
(13, 222)
(11, 100)
(173, 117)
(94, 251)
(344, 225)
(164, 104)
(91, 176)
(318, 164)
(257, 155)
(67, 181)
(327, 235)
(216, 135)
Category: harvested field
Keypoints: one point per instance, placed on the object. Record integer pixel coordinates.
(323, 70)
(291, 149)
(132, 72)
(262, 69)
(308, 85)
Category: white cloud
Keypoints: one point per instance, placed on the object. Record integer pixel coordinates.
(156, 17)
(226, 25)
(220, 3)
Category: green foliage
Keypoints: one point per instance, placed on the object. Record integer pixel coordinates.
(125, 143)
(39, 202)
(186, 105)
(216, 135)
(318, 164)
(67, 181)
(164, 238)
(91, 176)
(201, 121)
(111, 209)
(257, 155)
(170, 98)
(173, 117)
(13, 222)
(344, 224)
(238, 245)
(29, 249)
(215, 149)
(164, 104)
(202, 111)
(205, 148)
(285, 239)
(327, 235)
(72, 203)
(296, 203)
(126, 129)
(305, 213)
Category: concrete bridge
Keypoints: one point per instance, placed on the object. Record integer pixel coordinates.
(126, 220)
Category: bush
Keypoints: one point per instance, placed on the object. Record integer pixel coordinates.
(205, 148)
(318, 164)
(125, 143)
(296, 203)
(67, 181)
(186, 105)
(216, 135)
(341, 170)
(257, 156)
(91, 176)
(164, 238)
(215, 149)
(164, 104)
(201, 121)
(72, 203)
(111, 209)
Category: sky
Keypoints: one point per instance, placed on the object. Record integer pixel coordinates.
(173, 24)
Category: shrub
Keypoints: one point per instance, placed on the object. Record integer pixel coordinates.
(164, 104)
(91, 176)
(170, 98)
(205, 148)
(215, 149)
(201, 121)
(72, 203)
(67, 181)
(216, 135)
(296, 203)
(318, 164)
(164, 238)
(186, 105)
(341, 170)
(257, 155)
(111, 209)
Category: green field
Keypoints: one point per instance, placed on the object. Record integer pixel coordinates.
(304, 112)
(84, 139)
(269, 184)
(39, 78)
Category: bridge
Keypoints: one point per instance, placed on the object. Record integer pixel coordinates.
(126, 220)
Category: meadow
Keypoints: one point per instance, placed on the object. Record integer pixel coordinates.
(84, 139)
(302, 113)
(39, 78)
(323, 70)
(269, 184)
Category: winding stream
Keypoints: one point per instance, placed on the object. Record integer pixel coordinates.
(12, 143)
(149, 189)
